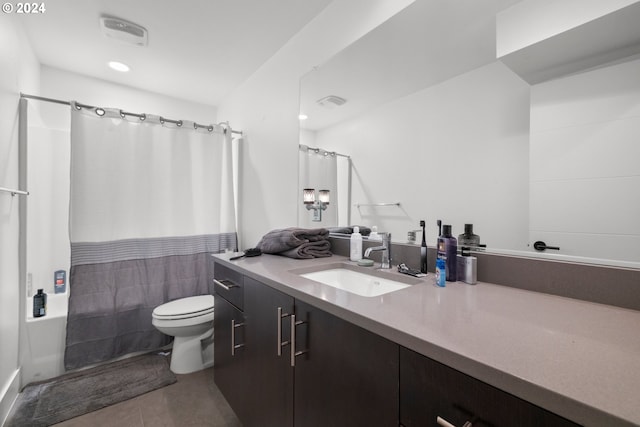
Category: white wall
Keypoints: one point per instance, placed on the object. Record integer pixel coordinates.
(531, 21)
(457, 151)
(266, 108)
(20, 72)
(585, 163)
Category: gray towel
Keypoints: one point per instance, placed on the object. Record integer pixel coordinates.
(319, 249)
(297, 242)
(365, 231)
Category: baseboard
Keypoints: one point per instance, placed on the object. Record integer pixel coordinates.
(9, 395)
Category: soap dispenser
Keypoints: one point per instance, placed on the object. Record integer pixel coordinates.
(356, 245)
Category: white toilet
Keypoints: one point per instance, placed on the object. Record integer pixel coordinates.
(190, 321)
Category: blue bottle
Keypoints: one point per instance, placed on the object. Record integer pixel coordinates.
(447, 250)
(440, 272)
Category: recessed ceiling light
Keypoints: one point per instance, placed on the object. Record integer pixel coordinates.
(303, 117)
(119, 66)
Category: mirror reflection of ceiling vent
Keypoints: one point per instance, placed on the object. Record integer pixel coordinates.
(122, 30)
(331, 101)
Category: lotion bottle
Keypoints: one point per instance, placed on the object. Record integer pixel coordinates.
(374, 234)
(356, 245)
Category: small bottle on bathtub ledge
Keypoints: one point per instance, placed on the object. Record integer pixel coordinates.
(40, 304)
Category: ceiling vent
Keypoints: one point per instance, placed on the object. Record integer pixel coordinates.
(122, 30)
(331, 101)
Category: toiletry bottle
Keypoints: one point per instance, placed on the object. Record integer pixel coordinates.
(374, 234)
(447, 250)
(60, 281)
(468, 238)
(356, 244)
(440, 272)
(423, 251)
(467, 268)
(40, 304)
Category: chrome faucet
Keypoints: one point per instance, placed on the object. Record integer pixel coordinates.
(385, 248)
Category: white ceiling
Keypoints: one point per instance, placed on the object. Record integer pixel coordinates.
(428, 42)
(198, 50)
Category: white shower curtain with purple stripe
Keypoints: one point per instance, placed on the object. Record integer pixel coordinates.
(150, 201)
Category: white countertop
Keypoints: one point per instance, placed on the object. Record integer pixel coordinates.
(578, 359)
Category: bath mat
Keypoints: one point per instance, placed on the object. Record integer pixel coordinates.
(71, 395)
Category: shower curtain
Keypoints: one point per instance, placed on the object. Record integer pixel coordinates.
(318, 170)
(149, 201)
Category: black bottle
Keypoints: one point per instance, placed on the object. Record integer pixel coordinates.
(468, 238)
(447, 250)
(40, 304)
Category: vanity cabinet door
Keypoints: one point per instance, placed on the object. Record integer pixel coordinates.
(344, 375)
(429, 390)
(270, 374)
(229, 356)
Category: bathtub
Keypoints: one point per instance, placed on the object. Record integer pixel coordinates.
(43, 343)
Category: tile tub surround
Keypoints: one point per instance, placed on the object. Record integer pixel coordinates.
(616, 286)
(529, 344)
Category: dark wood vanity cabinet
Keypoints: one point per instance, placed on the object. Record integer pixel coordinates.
(229, 335)
(430, 390)
(344, 375)
(229, 365)
(268, 366)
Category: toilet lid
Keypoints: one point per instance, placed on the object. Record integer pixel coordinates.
(201, 304)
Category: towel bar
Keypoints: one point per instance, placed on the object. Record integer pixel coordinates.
(14, 192)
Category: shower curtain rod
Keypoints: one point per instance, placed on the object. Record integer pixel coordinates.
(326, 152)
(123, 113)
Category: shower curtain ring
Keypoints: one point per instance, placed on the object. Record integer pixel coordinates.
(210, 128)
(161, 120)
(142, 117)
(179, 123)
(122, 114)
(100, 111)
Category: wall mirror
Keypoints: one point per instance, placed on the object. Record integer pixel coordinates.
(437, 128)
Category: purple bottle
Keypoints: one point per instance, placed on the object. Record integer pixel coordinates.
(447, 250)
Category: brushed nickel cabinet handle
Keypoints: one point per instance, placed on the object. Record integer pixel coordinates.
(295, 353)
(280, 342)
(444, 423)
(234, 347)
(223, 286)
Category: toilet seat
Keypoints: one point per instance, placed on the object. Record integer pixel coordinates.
(185, 308)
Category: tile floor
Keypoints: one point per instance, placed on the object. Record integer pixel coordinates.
(192, 401)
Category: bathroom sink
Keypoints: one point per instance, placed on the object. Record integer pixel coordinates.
(357, 280)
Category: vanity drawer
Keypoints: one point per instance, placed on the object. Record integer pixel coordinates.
(431, 391)
(228, 284)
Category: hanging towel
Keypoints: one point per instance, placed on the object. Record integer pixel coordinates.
(297, 242)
